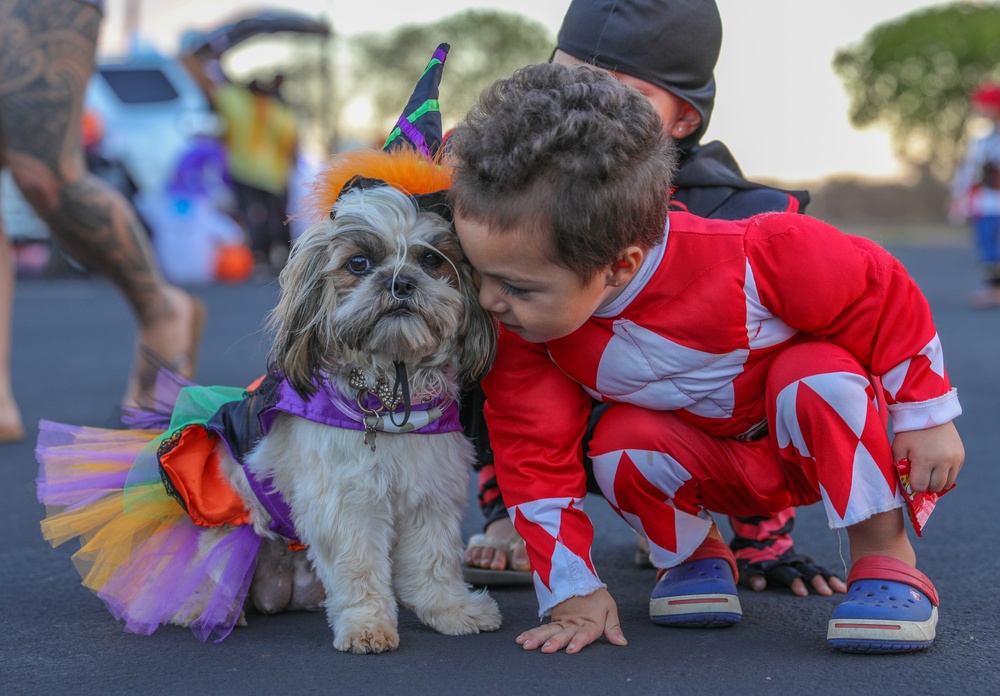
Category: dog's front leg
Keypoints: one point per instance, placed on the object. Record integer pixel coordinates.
(428, 574)
(349, 545)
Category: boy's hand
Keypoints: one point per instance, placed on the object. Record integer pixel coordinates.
(936, 455)
(576, 623)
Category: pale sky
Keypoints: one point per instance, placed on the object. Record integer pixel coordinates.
(780, 107)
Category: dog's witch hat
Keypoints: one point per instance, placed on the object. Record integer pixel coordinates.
(407, 161)
(420, 123)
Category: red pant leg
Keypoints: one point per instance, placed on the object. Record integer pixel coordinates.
(827, 441)
(826, 420)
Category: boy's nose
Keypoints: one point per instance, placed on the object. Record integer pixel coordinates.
(491, 300)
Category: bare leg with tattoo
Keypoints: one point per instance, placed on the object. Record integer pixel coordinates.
(47, 51)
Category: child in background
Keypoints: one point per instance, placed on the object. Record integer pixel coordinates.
(975, 194)
(702, 334)
(666, 49)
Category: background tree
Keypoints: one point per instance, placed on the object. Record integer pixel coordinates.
(914, 76)
(485, 45)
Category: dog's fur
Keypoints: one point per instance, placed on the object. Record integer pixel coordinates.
(379, 282)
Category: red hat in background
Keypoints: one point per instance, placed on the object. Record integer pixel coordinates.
(986, 95)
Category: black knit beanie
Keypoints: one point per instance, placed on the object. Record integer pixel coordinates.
(673, 44)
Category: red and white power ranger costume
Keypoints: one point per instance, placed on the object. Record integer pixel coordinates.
(778, 318)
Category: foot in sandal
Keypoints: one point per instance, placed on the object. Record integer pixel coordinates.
(497, 556)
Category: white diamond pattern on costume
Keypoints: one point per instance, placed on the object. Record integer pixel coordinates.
(846, 394)
(644, 368)
(691, 532)
(786, 425)
(893, 380)
(870, 494)
(659, 468)
(547, 512)
(830, 386)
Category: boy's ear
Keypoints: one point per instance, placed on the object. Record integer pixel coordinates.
(687, 121)
(624, 268)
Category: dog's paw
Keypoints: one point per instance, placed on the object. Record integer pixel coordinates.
(476, 612)
(377, 639)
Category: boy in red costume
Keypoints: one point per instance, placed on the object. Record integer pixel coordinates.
(704, 335)
(666, 49)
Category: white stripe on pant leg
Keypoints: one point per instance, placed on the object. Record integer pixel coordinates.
(667, 475)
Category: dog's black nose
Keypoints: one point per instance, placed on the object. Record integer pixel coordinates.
(402, 286)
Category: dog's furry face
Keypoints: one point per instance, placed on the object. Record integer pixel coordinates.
(380, 282)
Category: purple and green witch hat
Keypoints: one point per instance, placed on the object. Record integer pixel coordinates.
(419, 126)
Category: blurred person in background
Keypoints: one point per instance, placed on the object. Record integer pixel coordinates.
(667, 50)
(260, 133)
(47, 55)
(975, 194)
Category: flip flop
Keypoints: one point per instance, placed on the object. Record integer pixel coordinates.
(488, 576)
(890, 607)
(700, 592)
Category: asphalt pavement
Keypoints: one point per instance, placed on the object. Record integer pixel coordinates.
(72, 351)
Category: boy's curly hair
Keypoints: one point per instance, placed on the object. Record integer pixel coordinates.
(566, 151)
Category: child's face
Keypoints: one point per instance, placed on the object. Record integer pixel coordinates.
(529, 294)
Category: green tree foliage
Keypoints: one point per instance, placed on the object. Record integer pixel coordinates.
(485, 45)
(914, 76)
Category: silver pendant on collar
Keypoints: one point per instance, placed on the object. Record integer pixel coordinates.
(373, 416)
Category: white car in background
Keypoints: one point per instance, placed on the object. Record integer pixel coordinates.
(149, 109)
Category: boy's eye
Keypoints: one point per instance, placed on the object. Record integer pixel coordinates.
(511, 291)
(359, 265)
(431, 260)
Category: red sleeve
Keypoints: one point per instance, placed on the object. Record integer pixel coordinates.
(537, 417)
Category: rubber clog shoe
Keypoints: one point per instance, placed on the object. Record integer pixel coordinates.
(881, 615)
(699, 593)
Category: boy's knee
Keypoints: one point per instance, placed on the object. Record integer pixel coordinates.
(611, 429)
(811, 359)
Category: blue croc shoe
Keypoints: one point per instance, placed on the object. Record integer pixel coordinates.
(890, 608)
(700, 592)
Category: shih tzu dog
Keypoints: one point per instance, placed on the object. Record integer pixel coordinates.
(378, 321)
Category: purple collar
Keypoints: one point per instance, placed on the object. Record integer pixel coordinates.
(329, 407)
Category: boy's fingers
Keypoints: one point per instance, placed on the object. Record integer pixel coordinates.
(576, 638)
(920, 478)
(613, 632)
(536, 637)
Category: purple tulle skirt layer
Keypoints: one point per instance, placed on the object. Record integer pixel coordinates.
(139, 551)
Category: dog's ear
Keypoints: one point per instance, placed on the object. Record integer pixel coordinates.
(480, 333)
(301, 321)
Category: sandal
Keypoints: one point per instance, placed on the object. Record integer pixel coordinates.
(890, 607)
(700, 592)
(488, 576)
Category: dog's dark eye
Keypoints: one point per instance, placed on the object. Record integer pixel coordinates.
(432, 260)
(359, 265)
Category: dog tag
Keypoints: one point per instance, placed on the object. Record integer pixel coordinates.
(371, 423)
